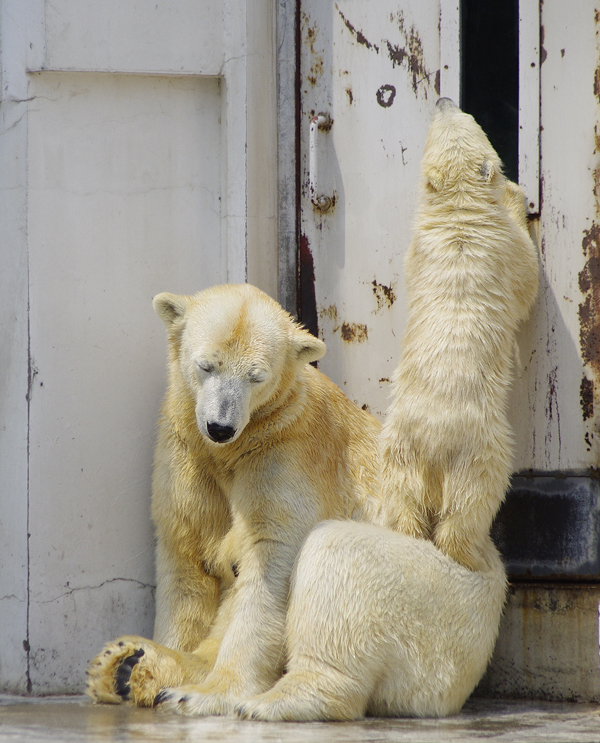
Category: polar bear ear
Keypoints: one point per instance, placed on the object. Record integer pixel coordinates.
(306, 347)
(434, 178)
(487, 170)
(170, 307)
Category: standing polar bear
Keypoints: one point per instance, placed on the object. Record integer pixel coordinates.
(255, 449)
(471, 276)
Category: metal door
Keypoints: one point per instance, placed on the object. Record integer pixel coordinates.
(370, 74)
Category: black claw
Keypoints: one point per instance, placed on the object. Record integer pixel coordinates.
(183, 699)
(161, 697)
(121, 644)
(123, 674)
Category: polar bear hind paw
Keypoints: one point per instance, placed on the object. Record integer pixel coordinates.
(281, 705)
(194, 701)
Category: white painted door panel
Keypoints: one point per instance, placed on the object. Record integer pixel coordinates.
(134, 158)
(131, 165)
(373, 69)
(376, 69)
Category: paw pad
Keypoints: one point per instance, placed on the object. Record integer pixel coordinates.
(123, 674)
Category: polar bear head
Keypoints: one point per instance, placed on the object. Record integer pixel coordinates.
(458, 156)
(236, 352)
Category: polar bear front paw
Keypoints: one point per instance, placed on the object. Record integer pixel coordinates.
(114, 676)
(194, 701)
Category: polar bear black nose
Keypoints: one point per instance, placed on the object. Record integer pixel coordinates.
(444, 103)
(220, 433)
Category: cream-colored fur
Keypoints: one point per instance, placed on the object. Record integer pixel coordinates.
(366, 619)
(382, 624)
(471, 276)
(230, 517)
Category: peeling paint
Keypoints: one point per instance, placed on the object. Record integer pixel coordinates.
(329, 312)
(350, 95)
(589, 308)
(552, 409)
(385, 295)
(586, 398)
(353, 332)
(316, 68)
(385, 95)
(411, 55)
(350, 332)
(358, 35)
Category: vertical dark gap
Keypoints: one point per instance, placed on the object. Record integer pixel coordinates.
(306, 296)
(31, 372)
(298, 119)
(490, 73)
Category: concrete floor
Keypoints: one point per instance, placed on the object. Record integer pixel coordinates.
(70, 719)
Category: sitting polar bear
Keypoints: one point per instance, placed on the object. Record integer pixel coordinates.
(255, 449)
(471, 275)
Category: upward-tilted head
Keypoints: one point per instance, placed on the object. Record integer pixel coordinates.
(232, 345)
(458, 155)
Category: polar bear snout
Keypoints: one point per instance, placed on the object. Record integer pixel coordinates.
(223, 408)
(220, 434)
(444, 104)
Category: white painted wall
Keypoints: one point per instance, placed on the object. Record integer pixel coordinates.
(134, 158)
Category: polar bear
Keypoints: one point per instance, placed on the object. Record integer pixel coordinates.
(255, 447)
(382, 624)
(471, 276)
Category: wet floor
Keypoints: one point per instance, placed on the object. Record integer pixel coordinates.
(68, 719)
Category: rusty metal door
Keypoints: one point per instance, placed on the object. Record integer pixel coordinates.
(370, 74)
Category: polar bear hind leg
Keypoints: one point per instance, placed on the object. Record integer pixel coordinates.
(380, 623)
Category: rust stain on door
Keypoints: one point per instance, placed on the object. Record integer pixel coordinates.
(358, 34)
(307, 300)
(385, 295)
(353, 332)
(410, 55)
(310, 37)
(589, 317)
(589, 285)
(350, 332)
